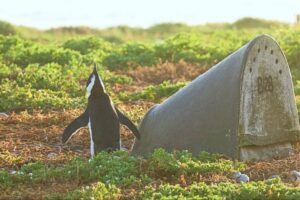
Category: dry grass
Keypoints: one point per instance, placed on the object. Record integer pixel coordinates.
(36, 136)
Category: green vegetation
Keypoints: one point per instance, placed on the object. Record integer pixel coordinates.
(50, 86)
(48, 70)
(273, 189)
(265, 190)
(153, 92)
(121, 169)
(121, 34)
(51, 76)
(99, 191)
(118, 171)
(6, 28)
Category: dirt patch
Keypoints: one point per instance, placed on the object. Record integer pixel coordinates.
(36, 136)
(173, 72)
(281, 167)
(31, 137)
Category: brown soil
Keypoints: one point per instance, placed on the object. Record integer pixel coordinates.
(36, 136)
(173, 72)
(29, 137)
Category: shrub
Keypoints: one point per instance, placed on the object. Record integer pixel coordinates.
(17, 51)
(6, 28)
(153, 93)
(268, 190)
(164, 164)
(87, 45)
(130, 55)
(98, 191)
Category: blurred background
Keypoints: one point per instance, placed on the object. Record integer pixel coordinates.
(103, 14)
(118, 20)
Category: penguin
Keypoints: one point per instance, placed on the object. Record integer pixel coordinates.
(102, 118)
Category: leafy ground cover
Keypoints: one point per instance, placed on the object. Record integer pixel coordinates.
(42, 88)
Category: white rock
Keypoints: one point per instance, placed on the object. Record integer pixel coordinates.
(3, 114)
(295, 175)
(51, 155)
(236, 175)
(243, 178)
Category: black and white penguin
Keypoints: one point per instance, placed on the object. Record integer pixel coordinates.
(102, 118)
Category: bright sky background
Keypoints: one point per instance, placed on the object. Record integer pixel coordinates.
(141, 13)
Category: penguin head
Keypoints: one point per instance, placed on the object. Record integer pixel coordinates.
(95, 84)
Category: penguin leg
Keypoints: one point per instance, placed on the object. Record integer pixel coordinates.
(75, 125)
(126, 121)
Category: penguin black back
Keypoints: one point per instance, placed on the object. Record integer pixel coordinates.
(103, 124)
(102, 118)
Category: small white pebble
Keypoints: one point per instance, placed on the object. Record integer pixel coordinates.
(243, 178)
(236, 175)
(13, 172)
(3, 114)
(51, 155)
(295, 175)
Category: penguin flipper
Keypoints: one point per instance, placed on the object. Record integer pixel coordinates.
(126, 121)
(75, 125)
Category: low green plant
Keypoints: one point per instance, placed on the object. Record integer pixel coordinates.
(15, 97)
(5, 179)
(51, 86)
(130, 55)
(98, 191)
(162, 163)
(9, 158)
(109, 175)
(263, 190)
(153, 92)
(117, 168)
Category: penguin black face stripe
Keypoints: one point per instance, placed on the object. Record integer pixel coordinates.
(102, 118)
